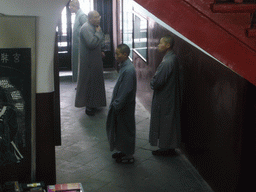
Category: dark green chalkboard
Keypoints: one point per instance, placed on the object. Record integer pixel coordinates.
(15, 122)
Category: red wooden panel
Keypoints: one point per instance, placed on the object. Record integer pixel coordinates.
(233, 8)
(251, 32)
(195, 20)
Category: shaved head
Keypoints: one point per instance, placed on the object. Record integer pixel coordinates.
(94, 18)
(74, 5)
(91, 14)
(169, 39)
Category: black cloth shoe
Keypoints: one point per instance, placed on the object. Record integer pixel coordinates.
(124, 160)
(165, 153)
(90, 111)
(118, 155)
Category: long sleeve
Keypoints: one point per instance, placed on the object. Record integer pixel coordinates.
(124, 90)
(91, 37)
(83, 19)
(162, 74)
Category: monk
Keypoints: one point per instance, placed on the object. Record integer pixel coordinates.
(165, 111)
(121, 118)
(80, 19)
(90, 86)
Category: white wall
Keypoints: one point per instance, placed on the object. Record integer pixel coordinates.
(47, 14)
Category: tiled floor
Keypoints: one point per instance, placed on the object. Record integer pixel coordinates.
(84, 155)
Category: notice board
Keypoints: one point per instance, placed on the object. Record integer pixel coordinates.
(17, 99)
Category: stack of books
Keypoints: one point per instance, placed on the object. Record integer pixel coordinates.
(67, 187)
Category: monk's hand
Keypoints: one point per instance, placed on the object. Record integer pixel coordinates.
(98, 29)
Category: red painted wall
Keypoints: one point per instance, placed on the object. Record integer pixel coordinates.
(220, 34)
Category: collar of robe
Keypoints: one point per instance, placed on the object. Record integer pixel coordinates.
(123, 64)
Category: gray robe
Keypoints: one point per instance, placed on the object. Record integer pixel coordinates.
(165, 111)
(90, 86)
(80, 19)
(121, 120)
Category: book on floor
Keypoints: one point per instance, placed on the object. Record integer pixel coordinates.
(66, 187)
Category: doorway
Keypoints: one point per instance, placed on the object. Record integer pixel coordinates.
(65, 26)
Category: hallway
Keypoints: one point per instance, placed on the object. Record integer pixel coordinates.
(84, 155)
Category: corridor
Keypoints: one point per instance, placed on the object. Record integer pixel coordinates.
(84, 155)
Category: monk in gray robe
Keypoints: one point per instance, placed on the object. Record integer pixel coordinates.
(165, 111)
(121, 119)
(80, 19)
(90, 86)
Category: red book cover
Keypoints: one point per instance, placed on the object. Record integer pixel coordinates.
(67, 187)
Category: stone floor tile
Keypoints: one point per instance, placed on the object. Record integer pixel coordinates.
(111, 188)
(91, 185)
(84, 155)
(141, 143)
